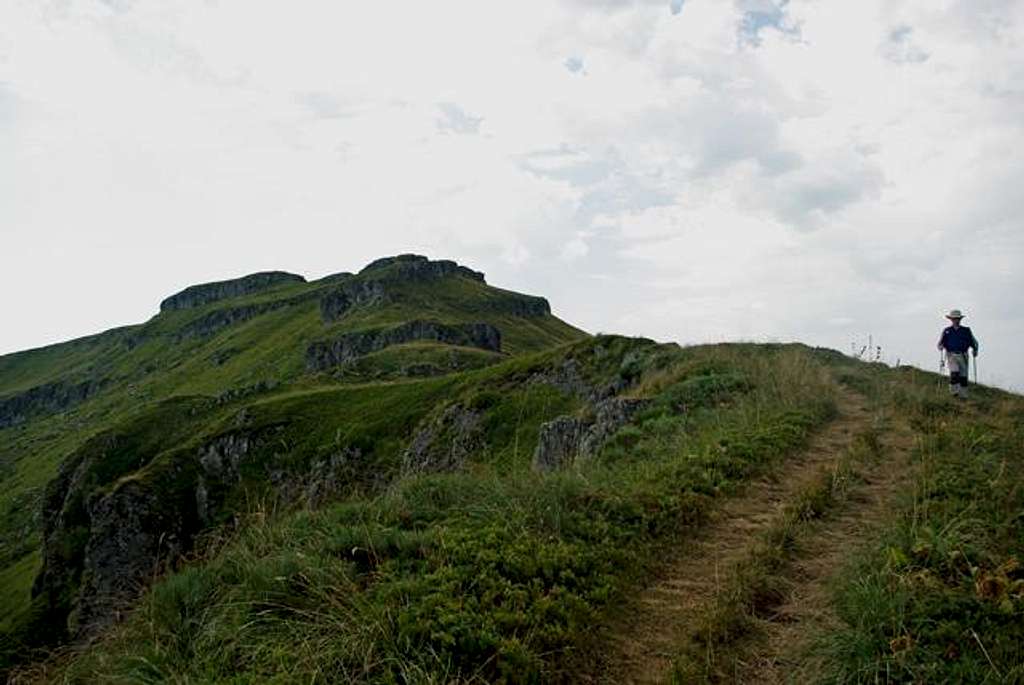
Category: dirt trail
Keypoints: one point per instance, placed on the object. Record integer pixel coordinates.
(783, 655)
(644, 641)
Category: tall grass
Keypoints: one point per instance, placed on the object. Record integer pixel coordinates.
(940, 598)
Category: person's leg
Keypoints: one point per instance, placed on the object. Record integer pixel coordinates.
(954, 374)
(965, 374)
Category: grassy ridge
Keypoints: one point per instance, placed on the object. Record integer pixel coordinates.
(940, 598)
(476, 576)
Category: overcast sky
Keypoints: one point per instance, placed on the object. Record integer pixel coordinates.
(689, 170)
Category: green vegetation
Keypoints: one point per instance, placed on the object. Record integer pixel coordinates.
(384, 520)
(940, 597)
(243, 367)
(482, 575)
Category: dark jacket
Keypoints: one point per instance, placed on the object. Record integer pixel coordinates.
(958, 340)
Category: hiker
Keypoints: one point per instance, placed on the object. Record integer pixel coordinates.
(955, 342)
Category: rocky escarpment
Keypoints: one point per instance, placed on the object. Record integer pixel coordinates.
(327, 354)
(203, 294)
(354, 293)
(213, 322)
(568, 439)
(412, 267)
(121, 510)
(46, 399)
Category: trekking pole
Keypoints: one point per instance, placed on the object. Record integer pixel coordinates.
(975, 369)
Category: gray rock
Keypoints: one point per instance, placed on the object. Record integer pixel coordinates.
(328, 477)
(445, 442)
(412, 267)
(558, 443)
(358, 293)
(199, 295)
(569, 440)
(49, 398)
(133, 531)
(213, 322)
(327, 354)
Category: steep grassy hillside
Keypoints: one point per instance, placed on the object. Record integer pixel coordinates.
(117, 403)
(542, 489)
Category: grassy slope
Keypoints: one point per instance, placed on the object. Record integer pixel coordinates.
(940, 596)
(493, 573)
(268, 349)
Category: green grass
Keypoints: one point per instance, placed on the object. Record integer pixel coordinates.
(940, 598)
(484, 575)
(268, 349)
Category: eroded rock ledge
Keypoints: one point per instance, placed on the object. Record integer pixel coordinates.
(326, 354)
(49, 398)
(205, 293)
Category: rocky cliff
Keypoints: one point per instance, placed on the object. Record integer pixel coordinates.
(49, 398)
(199, 295)
(326, 354)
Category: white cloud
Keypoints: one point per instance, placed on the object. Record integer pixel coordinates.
(758, 168)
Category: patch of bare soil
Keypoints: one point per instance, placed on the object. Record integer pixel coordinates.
(642, 642)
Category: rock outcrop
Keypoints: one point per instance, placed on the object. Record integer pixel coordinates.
(199, 295)
(355, 293)
(133, 532)
(46, 399)
(213, 322)
(104, 538)
(446, 442)
(412, 267)
(327, 354)
(567, 440)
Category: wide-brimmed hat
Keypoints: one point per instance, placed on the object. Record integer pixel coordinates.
(954, 314)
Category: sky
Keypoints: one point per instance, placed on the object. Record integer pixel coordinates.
(822, 171)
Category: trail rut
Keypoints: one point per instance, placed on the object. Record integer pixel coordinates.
(646, 637)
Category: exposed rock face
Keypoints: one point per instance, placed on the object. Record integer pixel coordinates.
(335, 304)
(327, 477)
(133, 531)
(558, 443)
(219, 460)
(327, 354)
(567, 439)
(567, 378)
(446, 442)
(46, 399)
(414, 267)
(525, 306)
(213, 322)
(101, 546)
(199, 295)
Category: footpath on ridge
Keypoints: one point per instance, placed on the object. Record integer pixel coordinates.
(645, 641)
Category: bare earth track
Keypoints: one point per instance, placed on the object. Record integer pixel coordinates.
(646, 637)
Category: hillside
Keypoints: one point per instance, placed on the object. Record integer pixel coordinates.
(405, 475)
(266, 345)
